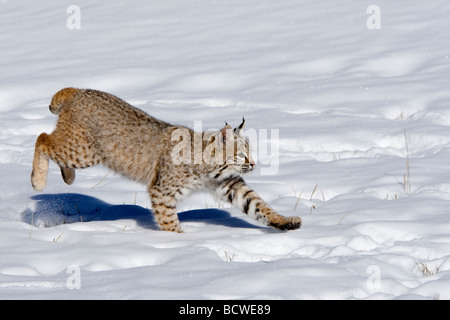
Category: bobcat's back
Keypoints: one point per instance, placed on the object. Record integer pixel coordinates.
(102, 128)
(102, 106)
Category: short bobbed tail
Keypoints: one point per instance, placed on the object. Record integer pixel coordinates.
(62, 98)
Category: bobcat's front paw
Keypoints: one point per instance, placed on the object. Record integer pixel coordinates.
(293, 223)
(289, 223)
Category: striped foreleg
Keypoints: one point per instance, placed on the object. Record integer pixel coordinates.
(241, 196)
(164, 209)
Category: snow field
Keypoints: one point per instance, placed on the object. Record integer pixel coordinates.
(340, 96)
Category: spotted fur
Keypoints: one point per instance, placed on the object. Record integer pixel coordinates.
(95, 127)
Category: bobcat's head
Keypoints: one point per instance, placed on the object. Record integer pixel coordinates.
(230, 149)
(225, 152)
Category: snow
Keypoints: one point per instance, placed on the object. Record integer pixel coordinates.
(340, 97)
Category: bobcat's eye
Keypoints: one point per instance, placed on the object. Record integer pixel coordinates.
(241, 155)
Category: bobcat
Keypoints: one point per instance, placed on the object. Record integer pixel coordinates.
(95, 127)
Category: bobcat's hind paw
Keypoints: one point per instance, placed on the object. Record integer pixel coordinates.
(38, 183)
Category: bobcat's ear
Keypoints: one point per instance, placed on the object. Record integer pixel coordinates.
(237, 130)
(224, 131)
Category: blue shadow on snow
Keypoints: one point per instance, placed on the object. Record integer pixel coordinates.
(56, 209)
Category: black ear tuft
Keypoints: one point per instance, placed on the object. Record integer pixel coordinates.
(238, 129)
(242, 124)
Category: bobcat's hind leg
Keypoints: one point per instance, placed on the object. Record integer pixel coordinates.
(68, 175)
(40, 162)
(68, 150)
